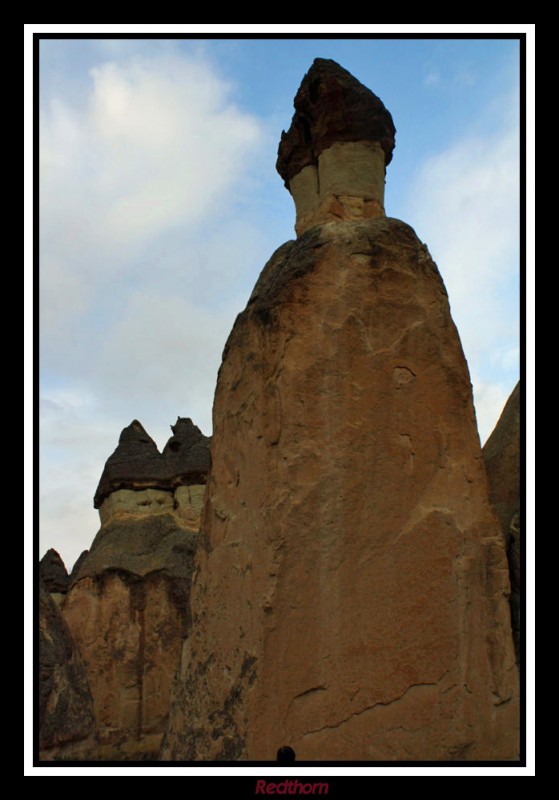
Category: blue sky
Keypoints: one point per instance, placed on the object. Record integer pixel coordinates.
(160, 205)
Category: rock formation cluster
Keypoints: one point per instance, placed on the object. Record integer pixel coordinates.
(334, 577)
(126, 606)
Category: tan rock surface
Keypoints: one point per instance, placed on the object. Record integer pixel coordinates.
(189, 501)
(350, 597)
(128, 613)
(142, 501)
(347, 185)
(66, 721)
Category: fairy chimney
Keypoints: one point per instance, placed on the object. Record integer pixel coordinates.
(350, 590)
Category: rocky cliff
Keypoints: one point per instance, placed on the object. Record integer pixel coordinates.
(350, 590)
(127, 606)
(502, 460)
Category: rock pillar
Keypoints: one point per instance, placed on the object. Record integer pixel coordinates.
(350, 592)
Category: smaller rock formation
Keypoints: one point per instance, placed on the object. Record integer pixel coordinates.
(127, 606)
(186, 458)
(135, 466)
(501, 453)
(333, 158)
(53, 572)
(77, 565)
(66, 721)
(138, 479)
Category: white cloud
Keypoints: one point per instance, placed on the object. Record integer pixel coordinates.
(464, 202)
(145, 249)
(510, 359)
(157, 145)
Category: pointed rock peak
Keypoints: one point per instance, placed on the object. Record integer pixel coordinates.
(53, 572)
(78, 565)
(185, 434)
(135, 464)
(136, 433)
(332, 106)
(187, 453)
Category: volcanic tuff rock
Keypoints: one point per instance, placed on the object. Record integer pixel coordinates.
(186, 455)
(77, 565)
(53, 572)
(128, 604)
(502, 460)
(137, 463)
(66, 722)
(128, 612)
(138, 479)
(349, 597)
(332, 106)
(333, 157)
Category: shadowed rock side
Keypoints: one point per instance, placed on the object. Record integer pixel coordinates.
(66, 721)
(502, 460)
(128, 612)
(186, 456)
(53, 572)
(351, 585)
(77, 565)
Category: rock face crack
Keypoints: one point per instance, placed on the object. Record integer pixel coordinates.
(308, 692)
(374, 705)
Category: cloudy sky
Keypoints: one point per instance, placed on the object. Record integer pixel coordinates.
(160, 204)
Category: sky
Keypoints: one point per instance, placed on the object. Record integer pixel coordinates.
(160, 205)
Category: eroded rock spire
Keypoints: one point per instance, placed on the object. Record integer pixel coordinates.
(349, 598)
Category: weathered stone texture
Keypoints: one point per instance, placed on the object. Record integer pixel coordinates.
(128, 612)
(66, 721)
(502, 459)
(52, 571)
(77, 565)
(332, 106)
(333, 157)
(137, 465)
(351, 586)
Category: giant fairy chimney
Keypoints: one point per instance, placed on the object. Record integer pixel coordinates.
(350, 591)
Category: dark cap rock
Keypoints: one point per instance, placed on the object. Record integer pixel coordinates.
(332, 106)
(135, 464)
(53, 572)
(187, 454)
